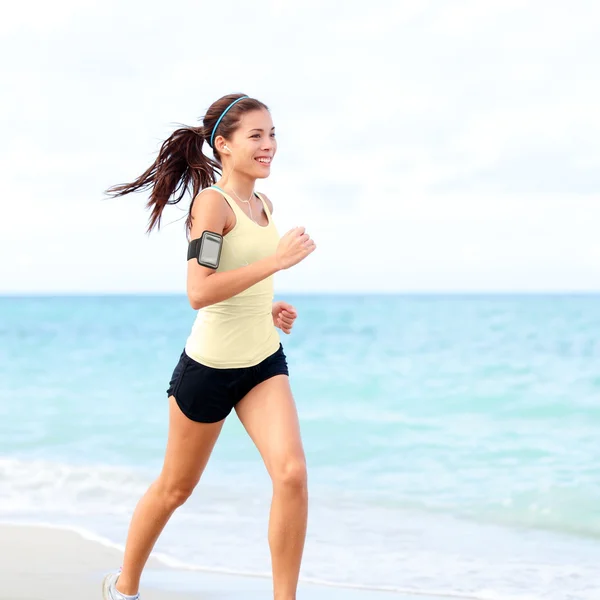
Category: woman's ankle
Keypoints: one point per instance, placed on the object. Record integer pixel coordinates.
(126, 587)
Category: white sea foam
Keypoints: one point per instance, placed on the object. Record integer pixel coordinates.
(28, 487)
(401, 551)
(176, 564)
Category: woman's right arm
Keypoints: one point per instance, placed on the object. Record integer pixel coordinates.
(205, 286)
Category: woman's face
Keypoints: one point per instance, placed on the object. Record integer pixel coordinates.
(253, 145)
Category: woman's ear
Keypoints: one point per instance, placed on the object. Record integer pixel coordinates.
(221, 145)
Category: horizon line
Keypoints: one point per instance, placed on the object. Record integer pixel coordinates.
(466, 292)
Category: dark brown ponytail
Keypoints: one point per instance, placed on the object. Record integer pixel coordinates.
(181, 164)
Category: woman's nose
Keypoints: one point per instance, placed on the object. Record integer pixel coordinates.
(269, 144)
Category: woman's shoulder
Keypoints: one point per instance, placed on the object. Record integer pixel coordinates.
(210, 195)
(209, 199)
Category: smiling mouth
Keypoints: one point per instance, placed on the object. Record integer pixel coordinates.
(263, 161)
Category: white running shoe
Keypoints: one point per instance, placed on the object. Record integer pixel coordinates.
(109, 592)
(108, 584)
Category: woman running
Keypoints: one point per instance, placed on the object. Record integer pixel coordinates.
(233, 357)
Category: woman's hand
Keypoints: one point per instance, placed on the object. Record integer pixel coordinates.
(284, 315)
(293, 247)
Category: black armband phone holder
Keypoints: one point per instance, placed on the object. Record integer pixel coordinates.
(206, 249)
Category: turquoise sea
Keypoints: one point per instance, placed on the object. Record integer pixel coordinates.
(453, 442)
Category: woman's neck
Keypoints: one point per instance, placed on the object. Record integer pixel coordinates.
(242, 186)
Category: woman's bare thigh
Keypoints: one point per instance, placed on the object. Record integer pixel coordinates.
(189, 446)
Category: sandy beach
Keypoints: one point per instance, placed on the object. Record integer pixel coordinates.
(40, 563)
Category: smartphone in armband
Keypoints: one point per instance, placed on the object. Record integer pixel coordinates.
(206, 249)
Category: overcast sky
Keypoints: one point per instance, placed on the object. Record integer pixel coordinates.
(426, 146)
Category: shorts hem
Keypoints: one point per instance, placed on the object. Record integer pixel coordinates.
(196, 418)
(262, 379)
(274, 374)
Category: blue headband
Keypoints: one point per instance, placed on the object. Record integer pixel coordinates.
(212, 135)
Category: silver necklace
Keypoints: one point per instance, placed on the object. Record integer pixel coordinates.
(246, 201)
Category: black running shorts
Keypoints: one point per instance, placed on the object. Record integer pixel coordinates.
(207, 395)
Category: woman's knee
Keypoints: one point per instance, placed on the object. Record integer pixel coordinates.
(291, 474)
(174, 493)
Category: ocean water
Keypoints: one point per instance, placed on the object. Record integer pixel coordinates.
(453, 442)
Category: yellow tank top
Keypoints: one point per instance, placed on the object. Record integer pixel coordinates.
(239, 331)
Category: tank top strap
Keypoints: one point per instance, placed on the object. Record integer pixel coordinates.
(265, 206)
(234, 205)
